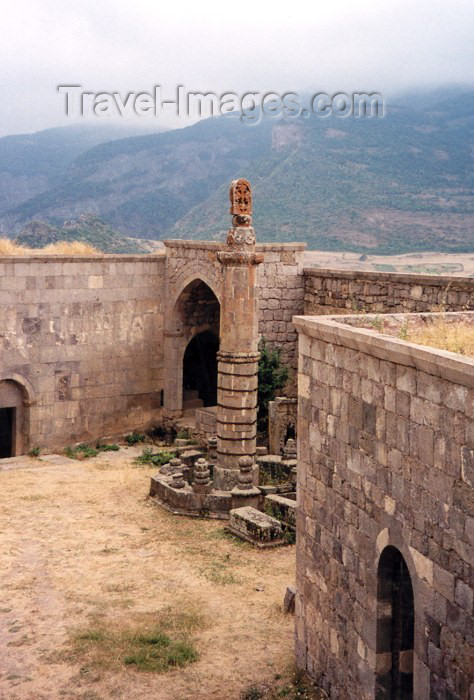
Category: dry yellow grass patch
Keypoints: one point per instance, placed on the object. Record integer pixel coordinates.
(106, 585)
(457, 336)
(71, 248)
(8, 247)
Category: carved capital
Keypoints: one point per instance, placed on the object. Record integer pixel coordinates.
(241, 236)
(238, 258)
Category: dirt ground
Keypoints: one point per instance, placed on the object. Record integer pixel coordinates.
(426, 263)
(80, 543)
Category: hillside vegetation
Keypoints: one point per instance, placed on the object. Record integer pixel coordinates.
(88, 229)
(401, 183)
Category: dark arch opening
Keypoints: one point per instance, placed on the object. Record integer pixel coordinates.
(290, 432)
(395, 627)
(12, 418)
(200, 368)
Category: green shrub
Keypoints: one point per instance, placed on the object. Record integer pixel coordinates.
(145, 457)
(80, 452)
(135, 438)
(34, 452)
(183, 434)
(158, 459)
(272, 377)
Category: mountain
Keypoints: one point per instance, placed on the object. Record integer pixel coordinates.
(401, 183)
(143, 185)
(31, 164)
(89, 229)
(404, 182)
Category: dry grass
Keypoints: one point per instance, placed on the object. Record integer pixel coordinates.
(8, 247)
(102, 563)
(455, 336)
(70, 248)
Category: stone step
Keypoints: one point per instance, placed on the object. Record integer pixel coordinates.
(193, 403)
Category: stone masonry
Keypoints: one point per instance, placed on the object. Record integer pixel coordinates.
(281, 296)
(82, 339)
(94, 344)
(385, 489)
(340, 291)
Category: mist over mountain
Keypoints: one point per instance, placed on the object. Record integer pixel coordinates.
(383, 185)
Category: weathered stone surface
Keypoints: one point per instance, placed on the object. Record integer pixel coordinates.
(282, 421)
(255, 527)
(283, 508)
(202, 482)
(87, 358)
(289, 600)
(338, 291)
(185, 501)
(92, 338)
(384, 461)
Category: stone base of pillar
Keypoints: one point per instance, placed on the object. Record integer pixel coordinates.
(226, 478)
(246, 497)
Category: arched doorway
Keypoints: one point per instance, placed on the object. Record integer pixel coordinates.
(200, 368)
(12, 419)
(191, 342)
(395, 627)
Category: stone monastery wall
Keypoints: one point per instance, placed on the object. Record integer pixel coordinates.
(385, 477)
(340, 291)
(83, 336)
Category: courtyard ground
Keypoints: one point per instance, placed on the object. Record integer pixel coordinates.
(82, 550)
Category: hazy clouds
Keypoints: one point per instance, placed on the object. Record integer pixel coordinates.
(340, 45)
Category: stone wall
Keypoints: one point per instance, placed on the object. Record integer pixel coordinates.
(83, 337)
(280, 283)
(340, 291)
(386, 464)
(281, 296)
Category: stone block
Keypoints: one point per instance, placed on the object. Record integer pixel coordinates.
(256, 527)
(289, 600)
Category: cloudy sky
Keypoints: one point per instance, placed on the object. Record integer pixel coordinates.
(120, 45)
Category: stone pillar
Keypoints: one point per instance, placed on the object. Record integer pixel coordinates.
(201, 483)
(245, 493)
(173, 376)
(238, 354)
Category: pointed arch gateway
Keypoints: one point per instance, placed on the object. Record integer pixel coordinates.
(395, 627)
(16, 396)
(190, 349)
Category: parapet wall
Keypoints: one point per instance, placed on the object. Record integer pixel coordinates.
(385, 465)
(85, 333)
(340, 291)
